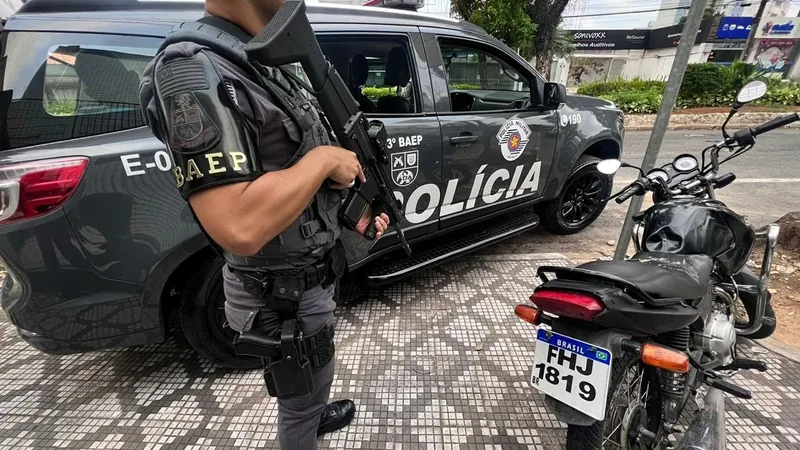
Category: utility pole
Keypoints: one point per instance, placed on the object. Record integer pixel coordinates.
(754, 30)
(688, 37)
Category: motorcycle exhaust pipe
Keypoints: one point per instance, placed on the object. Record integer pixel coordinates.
(707, 430)
(771, 233)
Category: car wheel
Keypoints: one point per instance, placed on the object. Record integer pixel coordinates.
(203, 318)
(580, 202)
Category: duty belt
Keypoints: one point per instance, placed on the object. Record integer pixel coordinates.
(261, 283)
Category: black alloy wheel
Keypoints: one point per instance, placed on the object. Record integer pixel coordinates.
(582, 199)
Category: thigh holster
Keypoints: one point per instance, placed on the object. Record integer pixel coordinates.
(289, 359)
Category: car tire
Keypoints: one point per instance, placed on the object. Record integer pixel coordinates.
(203, 321)
(555, 215)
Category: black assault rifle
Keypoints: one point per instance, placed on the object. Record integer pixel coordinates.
(289, 38)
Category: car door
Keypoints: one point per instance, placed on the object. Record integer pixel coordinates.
(497, 147)
(394, 88)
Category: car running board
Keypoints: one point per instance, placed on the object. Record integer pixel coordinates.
(467, 240)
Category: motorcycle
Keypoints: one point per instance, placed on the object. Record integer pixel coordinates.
(622, 346)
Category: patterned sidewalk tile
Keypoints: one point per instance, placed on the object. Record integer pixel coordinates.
(439, 361)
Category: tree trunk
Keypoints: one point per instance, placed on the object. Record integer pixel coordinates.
(543, 64)
(546, 14)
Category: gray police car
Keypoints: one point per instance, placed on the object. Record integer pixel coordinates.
(99, 247)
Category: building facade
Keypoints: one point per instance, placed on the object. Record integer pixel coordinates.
(575, 15)
(671, 13)
(8, 7)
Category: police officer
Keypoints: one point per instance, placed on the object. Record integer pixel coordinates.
(253, 159)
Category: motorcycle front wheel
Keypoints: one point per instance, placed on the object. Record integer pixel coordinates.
(634, 404)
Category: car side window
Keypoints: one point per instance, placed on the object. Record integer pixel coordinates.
(479, 79)
(379, 71)
(69, 86)
(94, 80)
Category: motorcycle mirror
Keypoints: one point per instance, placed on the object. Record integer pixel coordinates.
(751, 91)
(609, 166)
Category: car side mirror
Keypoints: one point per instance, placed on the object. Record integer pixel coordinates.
(555, 95)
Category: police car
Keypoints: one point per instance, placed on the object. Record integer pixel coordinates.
(99, 246)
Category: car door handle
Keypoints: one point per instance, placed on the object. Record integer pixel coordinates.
(463, 140)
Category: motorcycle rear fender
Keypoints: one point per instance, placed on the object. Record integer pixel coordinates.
(625, 313)
(608, 339)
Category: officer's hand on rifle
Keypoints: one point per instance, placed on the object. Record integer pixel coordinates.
(344, 168)
(342, 164)
(381, 224)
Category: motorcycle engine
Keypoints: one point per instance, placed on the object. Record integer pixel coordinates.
(719, 337)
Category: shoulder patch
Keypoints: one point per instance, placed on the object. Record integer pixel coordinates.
(190, 127)
(182, 75)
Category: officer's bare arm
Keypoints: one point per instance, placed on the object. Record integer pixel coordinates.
(243, 217)
(217, 167)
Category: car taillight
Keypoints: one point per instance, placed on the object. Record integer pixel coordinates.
(31, 189)
(568, 304)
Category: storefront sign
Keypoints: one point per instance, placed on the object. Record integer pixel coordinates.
(609, 39)
(635, 39)
(735, 27)
(671, 36)
(779, 28)
(775, 56)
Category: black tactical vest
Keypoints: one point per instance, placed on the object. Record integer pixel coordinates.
(317, 229)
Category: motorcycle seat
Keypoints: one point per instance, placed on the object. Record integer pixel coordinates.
(661, 275)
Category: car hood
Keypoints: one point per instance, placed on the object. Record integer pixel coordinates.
(584, 101)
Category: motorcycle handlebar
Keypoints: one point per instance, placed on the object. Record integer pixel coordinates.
(635, 189)
(775, 124)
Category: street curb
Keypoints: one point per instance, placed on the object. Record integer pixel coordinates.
(774, 346)
(701, 126)
(704, 121)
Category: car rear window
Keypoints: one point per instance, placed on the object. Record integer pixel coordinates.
(61, 86)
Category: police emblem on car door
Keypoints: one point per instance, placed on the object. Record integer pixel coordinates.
(513, 138)
(405, 167)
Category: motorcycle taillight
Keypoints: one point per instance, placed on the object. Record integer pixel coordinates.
(568, 304)
(32, 189)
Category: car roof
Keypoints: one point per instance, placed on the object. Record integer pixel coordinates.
(127, 15)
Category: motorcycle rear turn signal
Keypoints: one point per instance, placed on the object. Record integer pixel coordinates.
(528, 314)
(665, 358)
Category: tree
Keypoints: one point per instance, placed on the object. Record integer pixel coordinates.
(504, 19)
(546, 15)
(562, 43)
(529, 26)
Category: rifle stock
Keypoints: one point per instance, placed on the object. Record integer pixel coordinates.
(289, 38)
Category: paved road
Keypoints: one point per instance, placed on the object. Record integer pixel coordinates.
(767, 187)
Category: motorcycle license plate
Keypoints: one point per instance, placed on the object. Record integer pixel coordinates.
(574, 372)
